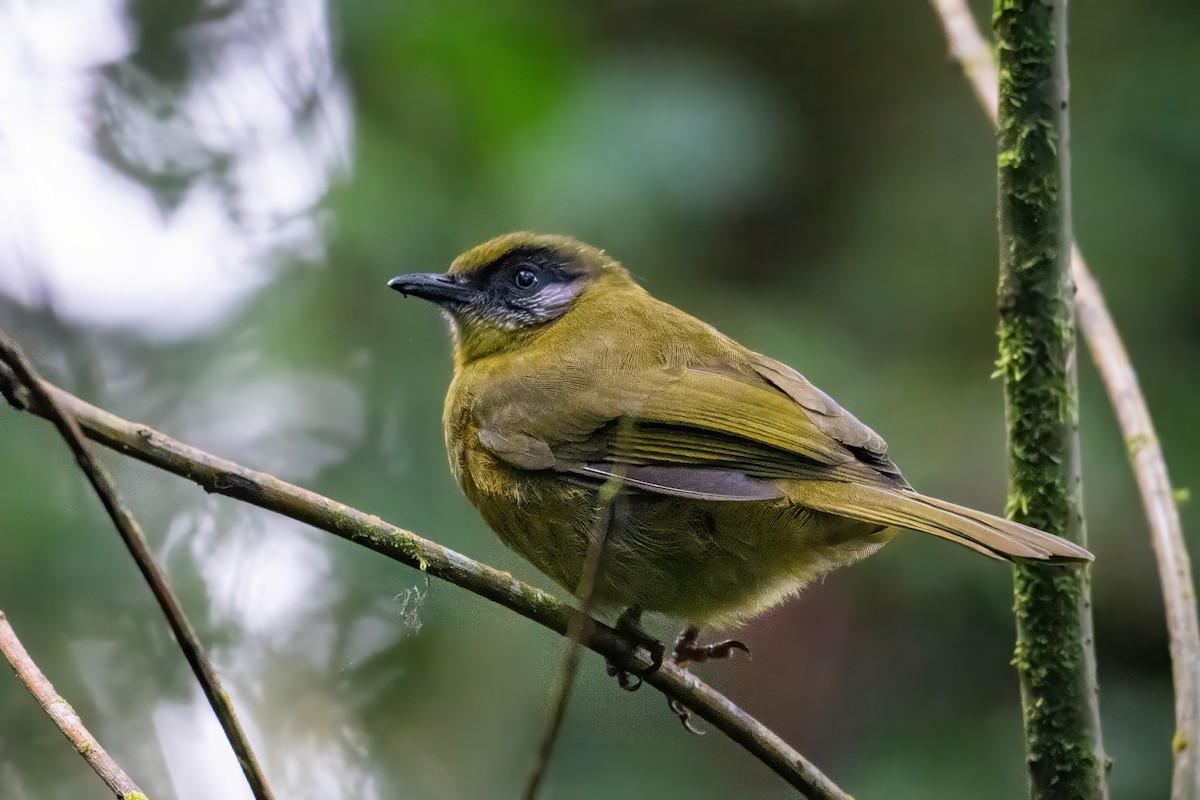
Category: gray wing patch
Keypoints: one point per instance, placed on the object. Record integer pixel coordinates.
(690, 482)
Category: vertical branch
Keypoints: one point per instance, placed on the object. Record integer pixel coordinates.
(593, 563)
(1054, 654)
(1145, 453)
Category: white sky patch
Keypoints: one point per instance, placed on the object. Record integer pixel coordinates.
(292, 425)
(324, 764)
(192, 729)
(79, 234)
(274, 581)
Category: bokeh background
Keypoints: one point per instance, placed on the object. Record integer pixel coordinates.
(200, 203)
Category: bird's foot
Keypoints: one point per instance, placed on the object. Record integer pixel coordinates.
(687, 651)
(629, 681)
(628, 625)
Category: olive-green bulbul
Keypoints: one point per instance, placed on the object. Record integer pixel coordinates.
(742, 480)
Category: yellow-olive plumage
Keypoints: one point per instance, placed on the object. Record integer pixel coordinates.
(742, 481)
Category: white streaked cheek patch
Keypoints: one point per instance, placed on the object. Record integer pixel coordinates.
(554, 300)
(514, 313)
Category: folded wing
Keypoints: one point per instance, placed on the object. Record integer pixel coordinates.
(717, 434)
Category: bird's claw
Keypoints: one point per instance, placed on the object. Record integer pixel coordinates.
(627, 624)
(688, 652)
(628, 681)
(685, 652)
(685, 716)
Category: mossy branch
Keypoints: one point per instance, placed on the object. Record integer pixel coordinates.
(216, 475)
(1108, 352)
(1055, 657)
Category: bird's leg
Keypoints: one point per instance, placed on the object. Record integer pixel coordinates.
(629, 625)
(687, 651)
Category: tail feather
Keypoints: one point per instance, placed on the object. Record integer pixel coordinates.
(985, 533)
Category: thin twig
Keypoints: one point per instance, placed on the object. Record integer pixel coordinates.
(139, 548)
(968, 46)
(219, 476)
(584, 593)
(558, 710)
(971, 52)
(1162, 514)
(65, 717)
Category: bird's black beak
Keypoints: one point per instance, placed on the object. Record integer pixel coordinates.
(441, 289)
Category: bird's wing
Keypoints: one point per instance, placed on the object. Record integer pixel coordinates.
(712, 435)
(827, 415)
(698, 432)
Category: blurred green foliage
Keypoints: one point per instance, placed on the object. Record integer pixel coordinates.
(813, 178)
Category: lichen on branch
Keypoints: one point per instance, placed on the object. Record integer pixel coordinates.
(1054, 654)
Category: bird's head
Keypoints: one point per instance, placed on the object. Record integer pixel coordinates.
(499, 294)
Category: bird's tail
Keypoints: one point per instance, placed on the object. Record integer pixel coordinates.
(990, 535)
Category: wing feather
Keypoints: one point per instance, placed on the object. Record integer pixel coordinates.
(752, 430)
(746, 424)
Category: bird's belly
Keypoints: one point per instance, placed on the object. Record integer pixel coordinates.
(701, 561)
(720, 563)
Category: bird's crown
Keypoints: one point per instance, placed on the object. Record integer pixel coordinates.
(567, 252)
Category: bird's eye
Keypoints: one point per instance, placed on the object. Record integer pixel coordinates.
(525, 279)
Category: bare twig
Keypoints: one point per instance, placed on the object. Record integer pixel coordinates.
(1166, 530)
(135, 541)
(65, 717)
(217, 475)
(584, 592)
(968, 47)
(558, 708)
(1133, 415)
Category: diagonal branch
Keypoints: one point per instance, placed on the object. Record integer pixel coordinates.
(60, 711)
(970, 49)
(131, 533)
(219, 476)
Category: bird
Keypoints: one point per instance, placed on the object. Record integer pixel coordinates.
(738, 480)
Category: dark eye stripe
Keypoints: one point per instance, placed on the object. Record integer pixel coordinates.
(550, 266)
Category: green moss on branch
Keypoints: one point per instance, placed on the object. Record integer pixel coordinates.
(1054, 655)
